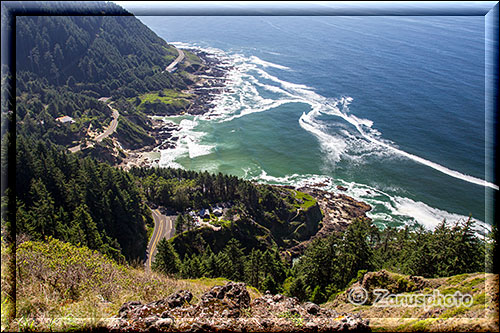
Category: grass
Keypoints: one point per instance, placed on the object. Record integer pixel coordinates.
(296, 319)
(221, 223)
(481, 315)
(166, 99)
(454, 312)
(192, 58)
(303, 200)
(457, 278)
(169, 96)
(62, 287)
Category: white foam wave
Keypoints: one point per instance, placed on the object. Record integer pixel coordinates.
(357, 123)
(246, 100)
(430, 217)
(264, 63)
(386, 208)
(187, 144)
(333, 146)
(360, 125)
(168, 157)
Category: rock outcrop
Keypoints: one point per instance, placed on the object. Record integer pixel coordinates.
(229, 308)
(338, 212)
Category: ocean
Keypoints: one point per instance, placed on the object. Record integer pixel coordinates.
(391, 108)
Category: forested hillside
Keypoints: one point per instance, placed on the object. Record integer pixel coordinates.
(64, 64)
(260, 216)
(80, 201)
(97, 55)
(330, 265)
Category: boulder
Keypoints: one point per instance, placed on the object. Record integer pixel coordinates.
(221, 310)
(312, 308)
(235, 294)
(164, 323)
(179, 298)
(128, 306)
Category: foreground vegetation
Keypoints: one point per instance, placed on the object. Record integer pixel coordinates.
(331, 264)
(479, 314)
(62, 287)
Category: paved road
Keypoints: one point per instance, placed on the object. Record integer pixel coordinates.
(112, 126)
(170, 68)
(110, 130)
(164, 228)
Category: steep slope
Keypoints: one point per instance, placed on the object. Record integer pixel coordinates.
(65, 64)
(62, 287)
(79, 201)
(107, 55)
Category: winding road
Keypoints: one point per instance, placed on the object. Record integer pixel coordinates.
(110, 130)
(170, 68)
(114, 123)
(164, 228)
(112, 126)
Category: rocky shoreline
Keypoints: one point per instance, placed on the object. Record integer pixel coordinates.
(229, 308)
(209, 81)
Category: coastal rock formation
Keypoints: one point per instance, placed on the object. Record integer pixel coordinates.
(338, 211)
(229, 308)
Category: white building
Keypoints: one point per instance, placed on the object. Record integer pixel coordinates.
(65, 119)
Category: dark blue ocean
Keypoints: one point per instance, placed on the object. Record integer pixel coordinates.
(392, 108)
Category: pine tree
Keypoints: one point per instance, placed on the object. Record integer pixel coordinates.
(167, 260)
(318, 295)
(41, 223)
(270, 285)
(253, 268)
(234, 265)
(298, 289)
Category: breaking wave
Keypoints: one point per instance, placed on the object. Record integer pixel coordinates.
(246, 99)
(387, 208)
(251, 89)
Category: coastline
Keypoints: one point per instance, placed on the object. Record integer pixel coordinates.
(208, 82)
(338, 211)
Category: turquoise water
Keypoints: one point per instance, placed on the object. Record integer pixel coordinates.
(390, 107)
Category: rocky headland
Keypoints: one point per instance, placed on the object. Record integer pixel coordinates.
(338, 212)
(208, 80)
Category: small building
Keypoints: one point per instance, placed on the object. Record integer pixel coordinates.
(65, 119)
(218, 211)
(205, 213)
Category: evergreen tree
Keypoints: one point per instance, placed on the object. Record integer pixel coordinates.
(298, 288)
(270, 285)
(166, 260)
(85, 222)
(41, 223)
(318, 296)
(233, 261)
(492, 250)
(253, 268)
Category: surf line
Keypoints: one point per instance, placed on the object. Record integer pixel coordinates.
(423, 161)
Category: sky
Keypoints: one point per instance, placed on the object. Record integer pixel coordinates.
(307, 8)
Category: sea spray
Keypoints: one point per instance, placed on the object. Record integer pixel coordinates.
(355, 141)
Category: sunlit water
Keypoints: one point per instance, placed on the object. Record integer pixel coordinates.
(392, 108)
